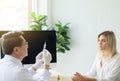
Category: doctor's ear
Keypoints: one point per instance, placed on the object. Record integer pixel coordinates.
(15, 49)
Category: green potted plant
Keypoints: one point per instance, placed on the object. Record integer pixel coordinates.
(38, 22)
(62, 42)
(62, 39)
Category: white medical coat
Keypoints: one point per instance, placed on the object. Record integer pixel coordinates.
(110, 71)
(11, 69)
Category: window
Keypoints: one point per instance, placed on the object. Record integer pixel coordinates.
(14, 14)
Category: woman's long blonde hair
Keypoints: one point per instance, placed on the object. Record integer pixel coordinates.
(111, 40)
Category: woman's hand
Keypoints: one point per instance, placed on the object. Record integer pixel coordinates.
(78, 77)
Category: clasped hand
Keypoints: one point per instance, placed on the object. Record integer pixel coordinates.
(78, 77)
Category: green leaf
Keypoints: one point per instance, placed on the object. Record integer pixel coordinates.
(34, 27)
(33, 16)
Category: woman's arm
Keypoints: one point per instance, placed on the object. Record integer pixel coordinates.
(78, 77)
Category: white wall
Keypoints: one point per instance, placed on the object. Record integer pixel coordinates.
(87, 18)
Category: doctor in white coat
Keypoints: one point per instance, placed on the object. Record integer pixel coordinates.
(14, 46)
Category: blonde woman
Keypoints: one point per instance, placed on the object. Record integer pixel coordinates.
(106, 66)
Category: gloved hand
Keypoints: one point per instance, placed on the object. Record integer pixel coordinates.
(39, 61)
(46, 57)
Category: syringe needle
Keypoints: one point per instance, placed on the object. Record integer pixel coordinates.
(44, 45)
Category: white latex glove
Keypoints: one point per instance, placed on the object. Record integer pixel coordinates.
(47, 57)
(39, 61)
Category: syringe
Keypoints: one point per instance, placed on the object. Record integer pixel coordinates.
(44, 46)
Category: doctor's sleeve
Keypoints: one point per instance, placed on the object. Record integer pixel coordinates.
(24, 75)
(31, 71)
(45, 76)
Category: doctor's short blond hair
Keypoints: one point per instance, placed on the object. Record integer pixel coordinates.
(10, 40)
(111, 40)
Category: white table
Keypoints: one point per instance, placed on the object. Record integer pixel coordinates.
(54, 76)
